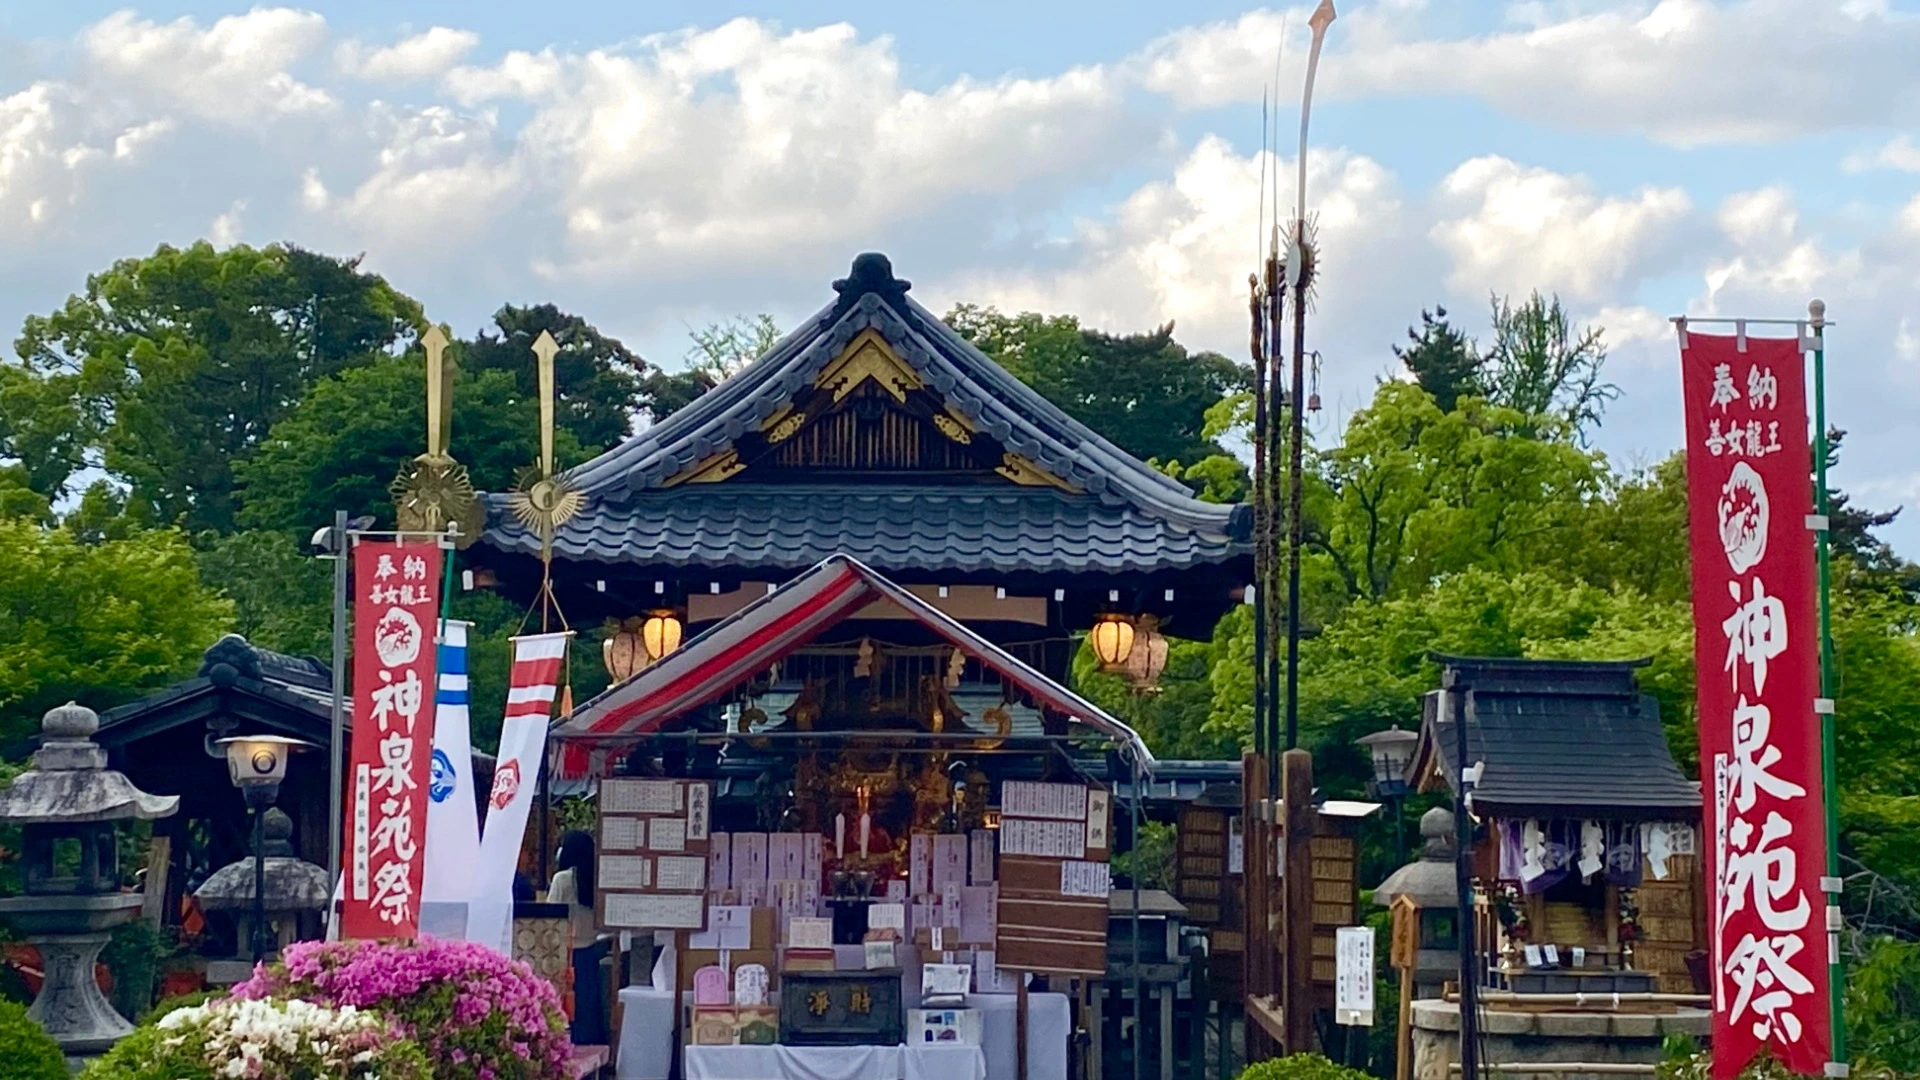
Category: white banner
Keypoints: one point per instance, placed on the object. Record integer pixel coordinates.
(537, 662)
(453, 818)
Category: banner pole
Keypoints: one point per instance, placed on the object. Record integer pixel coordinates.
(1836, 970)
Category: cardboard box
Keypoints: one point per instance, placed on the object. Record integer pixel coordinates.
(765, 928)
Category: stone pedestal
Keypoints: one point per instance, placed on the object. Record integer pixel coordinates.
(70, 931)
(1516, 1039)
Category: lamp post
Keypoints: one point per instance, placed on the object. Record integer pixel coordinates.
(1392, 753)
(332, 542)
(256, 764)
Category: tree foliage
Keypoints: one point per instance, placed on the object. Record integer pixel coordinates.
(1441, 360)
(95, 623)
(1542, 365)
(174, 366)
(1145, 392)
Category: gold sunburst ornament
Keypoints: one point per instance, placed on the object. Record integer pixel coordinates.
(433, 491)
(543, 500)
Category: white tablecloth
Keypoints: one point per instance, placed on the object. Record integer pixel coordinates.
(646, 1034)
(835, 1063)
(1049, 1027)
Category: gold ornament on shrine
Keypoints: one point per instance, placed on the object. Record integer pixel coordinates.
(432, 492)
(544, 500)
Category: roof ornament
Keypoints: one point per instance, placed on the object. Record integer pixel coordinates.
(433, 491)
(872, 273)
(544, 500)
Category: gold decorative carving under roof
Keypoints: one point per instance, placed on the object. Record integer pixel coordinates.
(952, 428)
(868, 356)
(785, 428)
(1027, 474)
(716, 468)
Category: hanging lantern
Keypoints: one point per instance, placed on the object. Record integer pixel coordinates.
(622, 651)
(1112, 638)
(660, 634)
(1149, 656)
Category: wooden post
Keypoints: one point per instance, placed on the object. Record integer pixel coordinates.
(1097, 1028)
(1406, 957)
(1296, 999)
(1020, 1027)
(153, 901)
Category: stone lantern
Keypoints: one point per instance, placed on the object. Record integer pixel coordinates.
(67, 804)
(295, 890)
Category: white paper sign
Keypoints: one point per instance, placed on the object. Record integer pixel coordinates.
(625, 872)
(1097, 818)
(887, 917)
(686, 873)
(655, 911)
(698, 796)
(667, 834)
(810, 933)
(1085, 879)
(628, 796)
(1353, 978)
(1236, 847)
(622, 833)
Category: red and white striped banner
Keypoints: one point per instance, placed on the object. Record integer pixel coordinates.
(533, 684)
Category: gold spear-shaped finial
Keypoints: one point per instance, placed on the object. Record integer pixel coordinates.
(432, 491)
(545, 500)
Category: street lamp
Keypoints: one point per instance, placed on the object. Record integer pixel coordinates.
(256, 764)
(1392, 753)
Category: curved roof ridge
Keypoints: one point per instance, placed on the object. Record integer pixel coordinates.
(972, 384)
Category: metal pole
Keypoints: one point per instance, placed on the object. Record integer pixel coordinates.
(1138, 1002)
(1295, 531)
(1455, 698)
(1836, 971)
(336, 765)
(260, 882)
(1262, 502)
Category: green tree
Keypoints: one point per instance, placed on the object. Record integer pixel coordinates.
(96, 623)
(340, 447)
(720, 349)
(178, 364)
(1144, 392)
(1541, 364)
(599, 383)
(1441, 360)
(282, 595)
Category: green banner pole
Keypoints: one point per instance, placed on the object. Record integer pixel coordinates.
(1836, 971)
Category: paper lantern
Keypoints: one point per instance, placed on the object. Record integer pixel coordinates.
(660, 634)
(622, 651)
(1112, 638)
(1148, 657)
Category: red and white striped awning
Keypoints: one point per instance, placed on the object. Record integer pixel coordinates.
(746, 643)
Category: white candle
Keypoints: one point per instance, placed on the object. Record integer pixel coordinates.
(839, 836)
(866, 822)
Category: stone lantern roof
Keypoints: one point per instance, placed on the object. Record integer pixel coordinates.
(1428, 880)
(292, 884)
(70, 784)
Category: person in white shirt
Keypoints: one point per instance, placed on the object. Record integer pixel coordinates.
(573, 886)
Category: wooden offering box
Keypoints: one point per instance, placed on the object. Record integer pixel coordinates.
(841, 1008)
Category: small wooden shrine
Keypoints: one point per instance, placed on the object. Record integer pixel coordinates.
(1587, 876)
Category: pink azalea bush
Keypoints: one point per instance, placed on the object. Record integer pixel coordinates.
(478, 1015)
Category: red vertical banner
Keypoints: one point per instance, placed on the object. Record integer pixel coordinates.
(1757, 651)
(395, 609)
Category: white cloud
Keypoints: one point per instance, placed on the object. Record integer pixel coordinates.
(695, 146)
(1517, 228)
(1900, 153)
(233, 72)
(1685, 72)
(41, 158)
(423, 56)
(225, 230)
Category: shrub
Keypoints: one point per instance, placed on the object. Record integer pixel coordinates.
(178, 1001)
(31, 1053)
(1300, 1067)
(264, 1040)
(476, 1014)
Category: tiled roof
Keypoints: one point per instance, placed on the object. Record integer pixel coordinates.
(1558, 739)
(900, 527)
(1128, 515)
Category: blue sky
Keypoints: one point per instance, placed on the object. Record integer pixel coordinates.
(656, 166)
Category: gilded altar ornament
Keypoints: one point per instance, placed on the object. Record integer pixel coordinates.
(432, 491)
(1002, 723)
(543, 501)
